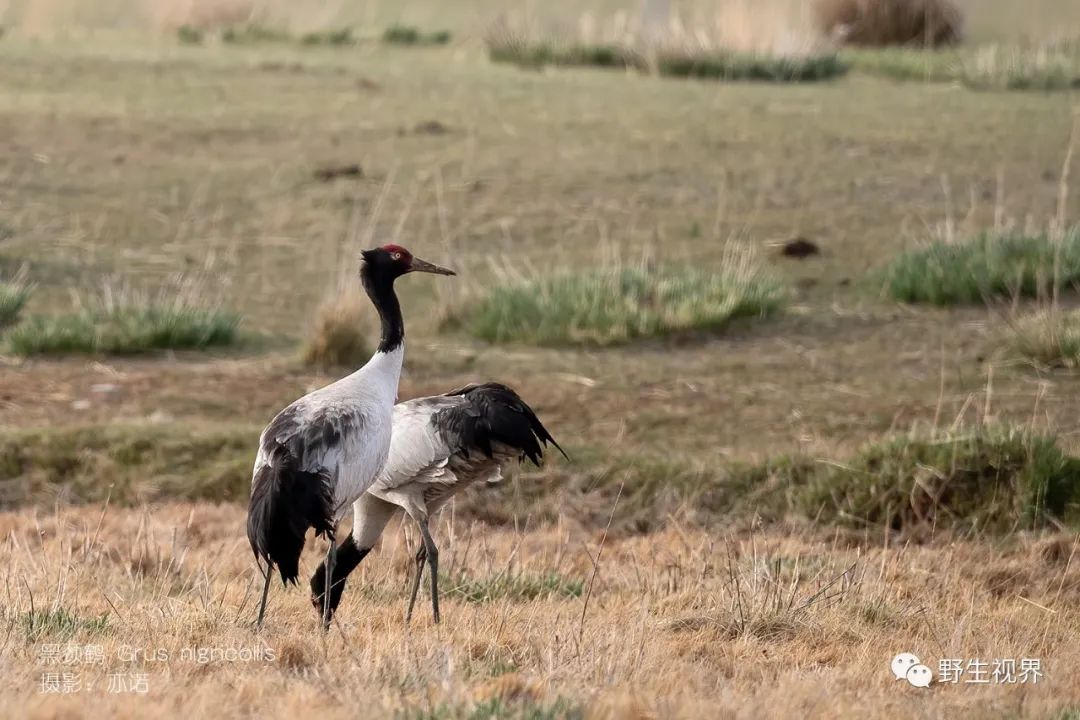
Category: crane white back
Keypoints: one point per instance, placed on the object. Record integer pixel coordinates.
(439, 446)
(319, 454)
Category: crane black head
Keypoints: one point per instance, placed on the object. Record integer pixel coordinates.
(379, 268)
(390, 262)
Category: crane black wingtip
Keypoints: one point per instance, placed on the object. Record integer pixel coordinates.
(559, 448)
(285, 502)
(497, 413)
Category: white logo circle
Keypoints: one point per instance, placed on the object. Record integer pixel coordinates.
(902, 663)
(920, 676)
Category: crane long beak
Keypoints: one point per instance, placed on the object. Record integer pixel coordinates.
(419, 265)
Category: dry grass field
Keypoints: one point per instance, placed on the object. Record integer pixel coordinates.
(554, 622)
(675, 567)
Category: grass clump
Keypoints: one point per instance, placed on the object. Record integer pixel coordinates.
(340, 37)
(1050, 67)
(926, 23)
(618, 304)
(412, 35)
(907, 63)
(682, 62)
(129, 464)
(60, 624)
(189, 35)
(994, 479)
(509, 45)
(127, 325)
(750, 66)
(338, 338)
(992, 67)
(498, 708)
(517, 51)
(1050, 338)
(517, 588)
(990, 265)
(254, 33)
(13, 296)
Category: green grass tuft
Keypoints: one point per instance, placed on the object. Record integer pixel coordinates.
(127, 327)
(402, 35)
(60, 624)
(715, 65)
(340, 37)
(996, 479)
(509, 47)
(499, 709)
(988, 266)
(992, 480)
(411, 35)
(13, 297)
(189, 35)
(907, 63)
(254, 33)
(617, 305)
(513, 50)
(518, 588)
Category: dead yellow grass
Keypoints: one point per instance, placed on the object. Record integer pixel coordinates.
(171, 14)
(48, 17)
(339, 336)
(772, 27)
(787, 622)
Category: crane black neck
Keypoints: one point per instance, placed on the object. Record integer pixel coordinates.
(379, 285)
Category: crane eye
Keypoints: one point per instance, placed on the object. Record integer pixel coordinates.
(395, 256)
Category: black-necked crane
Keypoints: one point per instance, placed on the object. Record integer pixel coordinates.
(440, 445)
(320, 454)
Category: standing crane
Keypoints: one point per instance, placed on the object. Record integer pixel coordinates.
(320, 454)
(440, 445)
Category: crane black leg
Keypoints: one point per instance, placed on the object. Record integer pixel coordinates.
(262, 603)
(331, 556)
(433, 561)
(347, 556)
(421, 556)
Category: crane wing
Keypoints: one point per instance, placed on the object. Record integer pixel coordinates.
(464, 435)
(319, 439)
(418, 451)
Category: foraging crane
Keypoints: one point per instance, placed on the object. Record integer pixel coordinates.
(320, 454)
(439, 446)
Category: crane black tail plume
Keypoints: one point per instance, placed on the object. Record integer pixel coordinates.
(285, 502)
(497, 414)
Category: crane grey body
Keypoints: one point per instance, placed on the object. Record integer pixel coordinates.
(341, 431)
(319, 454)
(439, 446)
